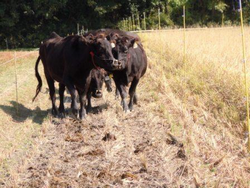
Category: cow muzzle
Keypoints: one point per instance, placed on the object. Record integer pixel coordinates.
(98, 94)
(116, 64)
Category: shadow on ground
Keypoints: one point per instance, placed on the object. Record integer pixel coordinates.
(24, 113)
(98, 109)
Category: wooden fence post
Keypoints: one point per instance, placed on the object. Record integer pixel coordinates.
(17, 109)
(144, 18)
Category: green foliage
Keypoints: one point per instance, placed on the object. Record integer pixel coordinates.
(25, 23)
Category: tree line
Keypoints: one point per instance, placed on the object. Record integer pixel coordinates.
(25, 23)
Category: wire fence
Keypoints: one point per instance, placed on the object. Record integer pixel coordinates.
(18, 57)
(16, 82)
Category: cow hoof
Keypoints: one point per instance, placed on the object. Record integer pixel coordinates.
(75, 113)
(61, 115)
(82, 115)
(130, 106)
(135, 100)
(82, 118)
(124, 106)
(125, 109)
(54, 112)
(89, 109)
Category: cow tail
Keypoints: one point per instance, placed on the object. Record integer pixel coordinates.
(39, 86)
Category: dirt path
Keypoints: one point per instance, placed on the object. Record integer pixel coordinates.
(109, 148)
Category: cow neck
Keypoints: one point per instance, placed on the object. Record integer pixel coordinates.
(128, 57)
(93, 61)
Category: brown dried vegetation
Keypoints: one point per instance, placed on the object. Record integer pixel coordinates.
(175, 137)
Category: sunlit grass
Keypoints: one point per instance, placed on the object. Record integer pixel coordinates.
(207, 109)
(20, 119)
(212, 71)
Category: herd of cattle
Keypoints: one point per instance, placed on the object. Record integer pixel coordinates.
(83, 63)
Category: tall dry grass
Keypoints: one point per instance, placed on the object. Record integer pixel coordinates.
(213, 71)
(208, 93)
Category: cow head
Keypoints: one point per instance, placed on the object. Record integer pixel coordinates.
(97, 78)
(121, 50)
(102, 53)
(113, 37)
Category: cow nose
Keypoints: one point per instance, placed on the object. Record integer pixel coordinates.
(109, 89)
(98, 93)
(115, 62)
(119, 65)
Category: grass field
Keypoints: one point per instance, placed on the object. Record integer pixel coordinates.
(187, 131)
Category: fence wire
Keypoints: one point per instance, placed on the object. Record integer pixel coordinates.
(18, 57)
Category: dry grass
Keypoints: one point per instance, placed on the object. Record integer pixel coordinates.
(209, 93)
(186, 131)
(213, 69)
(17, 130)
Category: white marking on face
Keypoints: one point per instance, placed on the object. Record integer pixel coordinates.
(135, 45)
(112, 44)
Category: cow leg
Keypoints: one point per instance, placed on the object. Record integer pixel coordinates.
(123, 93)
(72, 92)
(89, 107)
(132, 90)
(117, 93)
(83, 97)
(61, 94)
(122, 90)
(51, 85)
(108, 83)
(82, 100)
(135, 98)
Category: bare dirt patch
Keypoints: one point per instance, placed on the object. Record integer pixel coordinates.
(109, 148)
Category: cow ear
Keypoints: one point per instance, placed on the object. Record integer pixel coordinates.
(90, 39)
(124, 40)
(119, 40)
(108, 37)
(132, 42)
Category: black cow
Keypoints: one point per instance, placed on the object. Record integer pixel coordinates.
(127, 48)
(98, 76)
(134, 61)
(95, 90)
(69, 61)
